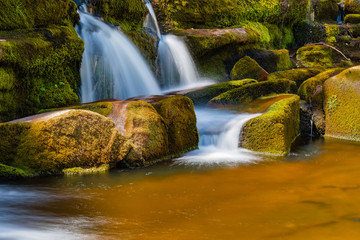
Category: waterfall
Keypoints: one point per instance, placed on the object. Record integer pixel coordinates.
(176, 65)
(112, 67)
(219, 138)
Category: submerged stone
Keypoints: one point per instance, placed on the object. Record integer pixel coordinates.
(275, 130)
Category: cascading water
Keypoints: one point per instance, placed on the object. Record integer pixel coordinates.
(219, 137)
(112, 67)
(175, 63)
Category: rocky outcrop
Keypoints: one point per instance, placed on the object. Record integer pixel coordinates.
(40, 57)
(275, 130)
(127, 134)
(341, 98)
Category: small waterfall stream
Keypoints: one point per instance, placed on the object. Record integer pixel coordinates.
(219, 138)
(112, 67)
(175, 62)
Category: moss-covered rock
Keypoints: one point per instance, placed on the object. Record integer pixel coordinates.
(342, 113)
(224, 13)
(40, 69)
(247, 67)
(298, 75)
(102, 108)
(332, 33)
(252, 91)
(70, 138)
(307, 89)
(204, 95)
(180, 120)
(352, 6)
(28, 14)
(129, 14)
(275, 130)
(325, 9)
(86, 171)
(352, 18)
(315, 56)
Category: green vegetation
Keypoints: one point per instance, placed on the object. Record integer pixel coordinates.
(332, 32)
(8, 172)
(247, 67)
(352, 6)
(326, 9)
(252, 91)
(274, 131)
(315, 56)
(86, 171)
(298, 75)
(102, 108)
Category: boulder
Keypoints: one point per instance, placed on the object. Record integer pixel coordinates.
(272, 60)
(352, 18)
(315, 56)
(298, 75)
(204, 95)
(247, 67)
(275, 130)
(252, 91)
(341, 98)
(325, 9)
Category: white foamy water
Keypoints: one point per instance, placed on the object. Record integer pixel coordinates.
(219, 138)
(112, 67)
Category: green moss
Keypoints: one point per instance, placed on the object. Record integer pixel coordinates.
(180, 120)
(332, 32)
(308, 87)
(77, 138)
(226, 13)
(252, 91)
(27, 14)
(8, 172)
(102, 108)
(147, 130)
(352, 18)
(129, 14)
(202, 96)
(247, 67)
(352, 6)
(315, 56)
(342, 114)
(86, 171)
(275, 130)
(298, 75)
(283, 61)
(46, 66)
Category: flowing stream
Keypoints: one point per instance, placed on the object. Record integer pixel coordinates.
(112, 67)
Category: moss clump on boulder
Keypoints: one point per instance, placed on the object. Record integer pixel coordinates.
(102, 108)
(180, 120)
(332, 32)
(129, 14)
(275, 130)
(298, 75)
(308, 87)
(247, 67)
(252, 91)
(86, 171)
(204, 95)
(315, 56)
(352, 6)
(40, 70)
(342, 113)
(352, 18)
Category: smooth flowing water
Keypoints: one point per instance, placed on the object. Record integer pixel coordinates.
(112, 67)
(312, 194)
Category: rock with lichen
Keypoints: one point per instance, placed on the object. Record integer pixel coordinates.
(247, 67)
(315, 56)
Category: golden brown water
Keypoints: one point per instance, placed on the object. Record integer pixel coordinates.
(299, 197)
